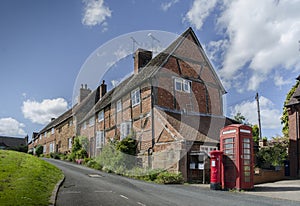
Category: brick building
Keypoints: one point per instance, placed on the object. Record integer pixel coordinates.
(172, 103)
(293, 107)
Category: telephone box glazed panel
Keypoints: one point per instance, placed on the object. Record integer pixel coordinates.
(236, 143)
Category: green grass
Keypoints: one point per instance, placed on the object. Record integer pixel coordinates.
(25, 179)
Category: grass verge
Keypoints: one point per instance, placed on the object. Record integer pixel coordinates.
(25, 179)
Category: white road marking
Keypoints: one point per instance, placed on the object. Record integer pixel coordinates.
(141, 204)
(71, 192)
(99, 191)
(124, 197)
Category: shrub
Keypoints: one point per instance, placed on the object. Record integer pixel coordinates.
(39, 150)
(92, 164)
(144, 173)
(55, 155)
(113, 160)
(169, 178)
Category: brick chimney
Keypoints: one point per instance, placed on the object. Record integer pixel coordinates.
(83, 93)
(103, 89)
(141, 58)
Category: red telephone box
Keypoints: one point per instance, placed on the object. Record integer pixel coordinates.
(215, 169)
(236, 143)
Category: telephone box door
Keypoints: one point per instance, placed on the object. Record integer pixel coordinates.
(236, 143)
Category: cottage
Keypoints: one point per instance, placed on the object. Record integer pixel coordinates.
(293, 107)
(173, 104)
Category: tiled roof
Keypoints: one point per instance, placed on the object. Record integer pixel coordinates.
(145, 74)
(12, 141)
(295, 99)
(197, 127)
(66, 115)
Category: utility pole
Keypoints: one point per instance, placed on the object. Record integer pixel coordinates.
(258, 113)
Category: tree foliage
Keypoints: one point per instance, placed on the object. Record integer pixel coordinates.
(273, 155)
(240, 118)
(79, 148)
(284, 117)
(39, 150)
(255, 133)
(118, 156)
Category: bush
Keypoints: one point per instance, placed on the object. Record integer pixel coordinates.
(169, 178)
(92, 164)
(39, 150)
(145, 174)
(55, 155)
(113, 160)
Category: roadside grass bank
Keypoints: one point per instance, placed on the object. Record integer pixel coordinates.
(25, 179)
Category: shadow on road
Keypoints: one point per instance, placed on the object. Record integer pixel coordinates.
(275, 189)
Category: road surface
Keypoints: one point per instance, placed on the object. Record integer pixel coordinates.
(85, 186)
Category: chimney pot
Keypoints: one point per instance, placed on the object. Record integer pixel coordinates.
(103, 89)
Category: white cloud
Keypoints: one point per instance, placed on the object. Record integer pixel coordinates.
(199, 11)
(95, 13)
(11, 127)
(42, 112)
(262, 37)
(279, 81)
(166, 5)
(270, 117)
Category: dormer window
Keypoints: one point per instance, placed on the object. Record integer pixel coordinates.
(182, 85)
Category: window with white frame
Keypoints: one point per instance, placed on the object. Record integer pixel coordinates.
(135, 97)
(45, 134)
(101, 116)
(207, 149)
(92, 121)
(119, 105)
(70, 142)
(125, 129)
(52, 130)
(51, 147)
(70, 123)
(100, 139)
(182, 85)
(44, 148)
(84, 125)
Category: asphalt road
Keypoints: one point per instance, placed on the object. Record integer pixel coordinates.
(85, 186)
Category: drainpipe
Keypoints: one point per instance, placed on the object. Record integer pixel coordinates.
(297, 140)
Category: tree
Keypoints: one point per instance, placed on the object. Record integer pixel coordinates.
(273, 155)
(285, 116)
(240, 118)
(39, 150)
(255, 133)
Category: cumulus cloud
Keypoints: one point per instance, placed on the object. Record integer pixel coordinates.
(95, 13)
(199, 11)
(262, 36)
(42, 112)
(270, 117)
(11, 127)
(166, 5)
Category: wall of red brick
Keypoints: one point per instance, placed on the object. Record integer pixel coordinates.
(265, 176)
(293, 124)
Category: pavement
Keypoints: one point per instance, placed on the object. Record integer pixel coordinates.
(285, 189)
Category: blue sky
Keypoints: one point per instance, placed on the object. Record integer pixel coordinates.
(44, 43)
